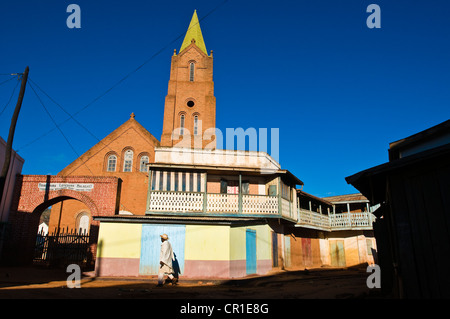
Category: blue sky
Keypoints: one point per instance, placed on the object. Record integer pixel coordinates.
(338, 91)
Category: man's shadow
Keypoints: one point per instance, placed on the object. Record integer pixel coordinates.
(176, 266)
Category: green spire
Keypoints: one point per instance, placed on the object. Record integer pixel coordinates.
(194, 32)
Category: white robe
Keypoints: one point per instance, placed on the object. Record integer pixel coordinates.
(166, 255)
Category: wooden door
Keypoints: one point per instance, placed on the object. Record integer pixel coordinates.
(287, 251)
(337, 253)
(151, 247)
(307, 252)
(250, 251)
(274, 249)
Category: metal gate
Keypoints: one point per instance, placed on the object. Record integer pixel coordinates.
(62, 248)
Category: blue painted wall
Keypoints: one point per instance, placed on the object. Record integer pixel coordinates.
(151, 247)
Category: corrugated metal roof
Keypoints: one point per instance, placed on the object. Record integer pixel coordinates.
(347, 198)
(180, 219)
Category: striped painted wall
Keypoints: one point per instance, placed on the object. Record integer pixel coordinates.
(118, 249)
(202, 251)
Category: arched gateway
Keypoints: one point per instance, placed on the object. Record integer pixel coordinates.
(34, 193)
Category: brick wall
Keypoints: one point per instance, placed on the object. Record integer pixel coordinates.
(29, 203)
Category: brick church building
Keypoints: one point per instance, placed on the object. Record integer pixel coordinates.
(189, 121)
(228, 213)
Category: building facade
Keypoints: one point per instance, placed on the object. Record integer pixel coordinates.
(15, 168)
(412, 226)
(228, 213)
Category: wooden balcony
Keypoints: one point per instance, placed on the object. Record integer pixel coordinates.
(212, 204)
(194, 203)
(335, 222)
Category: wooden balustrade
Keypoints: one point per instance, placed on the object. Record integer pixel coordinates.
(194, 202)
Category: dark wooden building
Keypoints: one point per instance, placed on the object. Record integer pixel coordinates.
(413, 225)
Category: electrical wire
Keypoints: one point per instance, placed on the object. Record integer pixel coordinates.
(10, 98)
(54, 122)
(81, 125)
(124, 77)
(12, 78)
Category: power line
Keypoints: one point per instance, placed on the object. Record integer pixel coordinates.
(125, 77)
(10, 98)
(81, 125)
(12, 78)
(65, 111)
(54, 122)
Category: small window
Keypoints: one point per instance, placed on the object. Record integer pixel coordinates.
(144, 162)
(128, 161)
(191, 71)
(112, 161)
(369, 246)
(223, 186)
(196, 125)
(181, 124)
(245, 188)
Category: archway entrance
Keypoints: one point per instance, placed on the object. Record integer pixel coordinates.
(63, 237)
(35, 193)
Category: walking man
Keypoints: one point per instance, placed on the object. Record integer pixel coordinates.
(165, 261)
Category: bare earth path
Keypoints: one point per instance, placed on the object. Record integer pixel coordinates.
(325, 283)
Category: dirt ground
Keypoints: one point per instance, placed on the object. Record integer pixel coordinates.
(323, 283)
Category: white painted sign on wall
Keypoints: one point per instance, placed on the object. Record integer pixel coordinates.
(80, 187)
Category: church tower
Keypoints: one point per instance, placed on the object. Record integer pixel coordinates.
(190, 105)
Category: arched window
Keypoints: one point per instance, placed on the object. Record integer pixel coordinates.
(83, 223)
(111, 164)
(181, 124)
(196, 125)
(191, 71)
(128, 161)
(143, 163)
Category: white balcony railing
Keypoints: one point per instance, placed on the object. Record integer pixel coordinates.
(260, 204)
(222, 203)
(180, 202)
(333, 222)
(176, 202)
(313, 219)
(195, 202)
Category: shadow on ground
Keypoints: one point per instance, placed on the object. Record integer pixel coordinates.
(324, 283)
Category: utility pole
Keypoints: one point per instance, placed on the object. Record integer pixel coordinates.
(12, 128)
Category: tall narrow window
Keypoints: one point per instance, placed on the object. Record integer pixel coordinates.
(182, 124)
(112, 160)
(191, 182)
(199, 182)
(169, 177)
(161, 180)
(191, 71)
(196, 125)
(83, 224)
(183, 181)
(153, 180)
(144, 161)
(223, 186)
(176, 182)
(128, 161)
